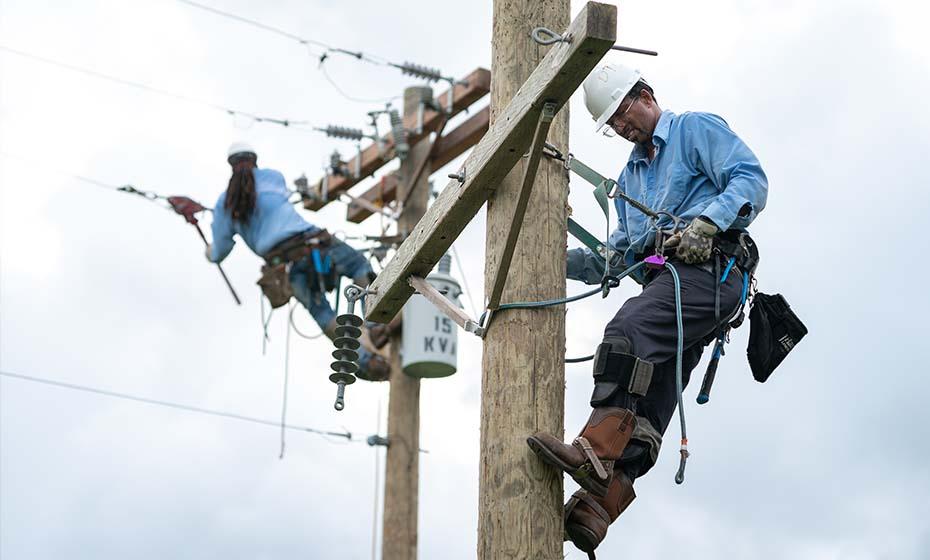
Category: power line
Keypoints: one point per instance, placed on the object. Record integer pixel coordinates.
(373, 59)
(408, 68)
(347, 435)
(349, 97)
(152, 89)
(127, 188)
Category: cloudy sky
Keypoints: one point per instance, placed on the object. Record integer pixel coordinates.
(828, 460)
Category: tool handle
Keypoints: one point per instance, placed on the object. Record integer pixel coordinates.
(229, 285)
(220, 267)
(704, 395)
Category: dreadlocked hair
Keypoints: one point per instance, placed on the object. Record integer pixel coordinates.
(240, 194)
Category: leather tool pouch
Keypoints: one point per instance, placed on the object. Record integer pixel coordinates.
(275, 284)
(773, 331)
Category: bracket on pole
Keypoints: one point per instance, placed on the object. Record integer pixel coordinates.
(412, 181)
(435, 297)
(368, 205)
(529, 177)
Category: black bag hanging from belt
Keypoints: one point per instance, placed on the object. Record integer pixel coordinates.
(773, 331)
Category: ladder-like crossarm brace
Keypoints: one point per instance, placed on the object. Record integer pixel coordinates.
(526, 188)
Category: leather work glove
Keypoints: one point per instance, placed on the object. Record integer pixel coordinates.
(697, 241)
(208, 252)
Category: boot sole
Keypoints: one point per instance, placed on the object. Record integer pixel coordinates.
(583, 538)
(547, 456)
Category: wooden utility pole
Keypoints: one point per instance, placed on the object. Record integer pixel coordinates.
(523, 380)
(520, 500)
(399, 533)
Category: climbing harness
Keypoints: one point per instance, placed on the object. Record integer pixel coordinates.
(312, 246)
(605, 189)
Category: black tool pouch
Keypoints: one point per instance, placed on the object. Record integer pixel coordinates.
(276, 284)
(773, 331)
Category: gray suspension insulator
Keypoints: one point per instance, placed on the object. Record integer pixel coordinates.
(348, 331)
(345, 132)
(401, 147)
(420, 71)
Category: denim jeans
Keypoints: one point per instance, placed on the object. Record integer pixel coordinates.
(349, 263)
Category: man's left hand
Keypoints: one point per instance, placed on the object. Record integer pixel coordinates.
(697, 241)
(208, 252)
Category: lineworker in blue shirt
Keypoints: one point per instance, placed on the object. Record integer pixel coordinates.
(694, 167)
(255, 206)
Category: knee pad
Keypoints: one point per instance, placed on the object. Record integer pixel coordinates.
(619, 375)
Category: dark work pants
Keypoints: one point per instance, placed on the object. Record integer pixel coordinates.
(648, 321)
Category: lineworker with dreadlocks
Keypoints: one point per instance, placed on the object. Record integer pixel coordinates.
(301, 259)
(693, 166)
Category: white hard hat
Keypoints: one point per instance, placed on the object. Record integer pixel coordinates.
(237, 148)
(605, 88)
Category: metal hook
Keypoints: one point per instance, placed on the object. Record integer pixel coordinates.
(680, 475)
(539, 34)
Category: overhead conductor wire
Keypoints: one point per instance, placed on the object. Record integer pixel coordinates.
(347, 435)
(408, 68)
(152, 89)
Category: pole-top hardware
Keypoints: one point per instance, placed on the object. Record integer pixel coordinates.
(378, 440)
(348, 331)
(546, 36)
(460, 176)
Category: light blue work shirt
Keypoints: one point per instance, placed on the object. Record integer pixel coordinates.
(273, 220)
(701, 168)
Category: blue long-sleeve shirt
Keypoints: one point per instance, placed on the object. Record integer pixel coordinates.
(701, 168)
(273, 220)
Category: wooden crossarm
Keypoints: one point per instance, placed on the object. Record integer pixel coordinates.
(448, 147)
(475, 86)
(557, 76)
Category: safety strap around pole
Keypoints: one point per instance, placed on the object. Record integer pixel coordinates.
(586, 237)
(601, 183)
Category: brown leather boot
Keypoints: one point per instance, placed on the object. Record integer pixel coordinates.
(590, 457)
(378, 369)
(381, 334)
(587, 517)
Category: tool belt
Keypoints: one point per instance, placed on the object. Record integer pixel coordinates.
(739, 245)
(298, 246)
(275, 280)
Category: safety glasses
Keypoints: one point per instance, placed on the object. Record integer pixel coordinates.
(608, 129)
